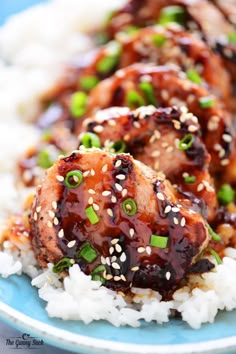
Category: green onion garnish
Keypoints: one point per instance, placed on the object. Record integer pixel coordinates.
(206, 102)
(62, 265)
(88, 82)
(44, 159)
(97, 273)
(88, 253)
(148, 91)
(129, 207)
(189, 179)
(172, 14)
(226, 194)
(193, 76)
(186, 142)
(134, 99)
(118, 147)
(107, 64)
(232, 37)
(158, 241)
(214, 254)
(73, 179)
(159, 39)
(78, 104)
(91, 140)
(213, 234)
(131, 29)
(91, 215)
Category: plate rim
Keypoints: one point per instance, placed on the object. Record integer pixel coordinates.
(72, 341)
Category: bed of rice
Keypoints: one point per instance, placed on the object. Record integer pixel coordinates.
(33, 47)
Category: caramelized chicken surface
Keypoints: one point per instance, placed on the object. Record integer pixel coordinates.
(133, 225)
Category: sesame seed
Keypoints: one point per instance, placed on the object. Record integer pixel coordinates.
(105, 168)
(90, 201)
(127, 137)
(175, 220)
(118, 248)
(110, 212)
(137, 125)
(167, 209)
(111, 250)
(38, 209)
(98, 129)
(116, 278)
(120, 177)
(200, 187)
(72, 261)
(164, 95)
(156, 165)
(114, 241)
(123, 277)
(160, 196)
(170, 149)
(108, 262)
(106, 193)
(51, 214)
(112, 123)
(86, 173)
(182, 222)
(192, 128)
(113, 199)
(103, 260)
(54, 205)
(35, 216)
(227, 138)
(91, 191)
(224, 162)
(61, 233)
(134, 269)
(71, 244)
(118, 187)
(92, 172)
(109, 276)
(118, 163)
(113, 259)
(177, 124)
(115, 265)
(49, 224)
(55, 221)
(155, 153)
(95, 207)
(141, 249)
(168, 275)
(60, 178)
(131, 232)
(123, 257)
(124, 192)
(175, 209)
(148, 250)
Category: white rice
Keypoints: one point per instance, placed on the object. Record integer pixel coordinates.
(33, 46)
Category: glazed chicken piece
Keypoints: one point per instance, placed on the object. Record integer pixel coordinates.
(118, 220)
(156, 137)
(158, 45)
(166, 87)
(199, 16)
(228, 8)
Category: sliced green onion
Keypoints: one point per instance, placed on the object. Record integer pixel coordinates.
(91, 215)
(134, 99)
(226, 194)
(193, 76)
(186, 142)
(158, 241)
(214, 254)
(131, 29)
(129, 207)
(78, 104)
(97, 273)
(62, 265)
(109, 62)
(88, 82)
(44, 159)
(172, 14)
(213, 234)
(91, 140)
(159, 39)
(232, 37)
(148, 91)
(206, 102)
(189, 179)
(118, 147)
(88, 253)
(73, 179)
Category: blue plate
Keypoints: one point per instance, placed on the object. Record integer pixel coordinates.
(21, 307)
